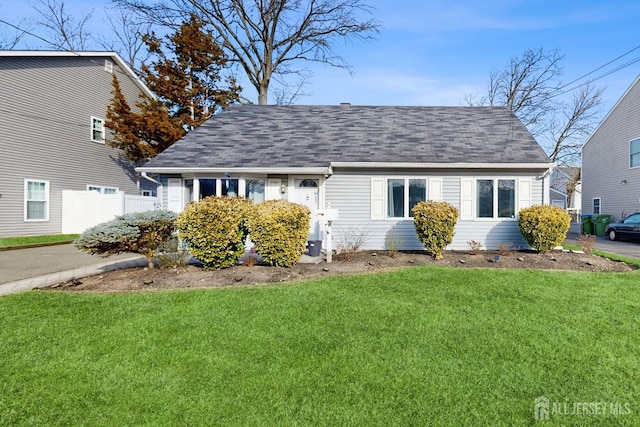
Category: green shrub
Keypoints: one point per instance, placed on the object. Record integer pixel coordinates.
(435, 223)
(214, 230)
(141, 233)
(544, 227)
(279, 230)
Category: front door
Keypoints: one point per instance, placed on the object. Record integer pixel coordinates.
(175, 202)
(307, 193)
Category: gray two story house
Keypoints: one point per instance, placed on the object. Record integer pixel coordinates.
(370, 163)
(611, 160)
(52, 134)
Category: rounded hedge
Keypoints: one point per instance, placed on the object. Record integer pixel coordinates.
(279, 231)
(435, 223)
(214, 230)
(544, 227)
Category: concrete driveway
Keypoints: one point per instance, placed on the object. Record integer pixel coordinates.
(620, 247)
(22, 269)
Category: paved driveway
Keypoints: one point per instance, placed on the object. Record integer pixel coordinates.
(22, 264)
(621, 247)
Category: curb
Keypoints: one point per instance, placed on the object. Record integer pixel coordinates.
(34, 245)
(65, 276)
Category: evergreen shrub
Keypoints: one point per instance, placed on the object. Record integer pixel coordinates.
(279, 231)
(141, 232)
(544, 227)
(435, 223)
(214, 230)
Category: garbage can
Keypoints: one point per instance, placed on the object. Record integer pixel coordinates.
(314, 247)
(587, 224)
(600, 223)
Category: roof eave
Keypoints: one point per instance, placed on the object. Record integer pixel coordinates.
(319, 170)
(399, 165)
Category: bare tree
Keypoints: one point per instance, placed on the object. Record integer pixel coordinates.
(572, 124)
(265, 37)
(530, 86)
(66, 31)
(9, 40)
(128, 41)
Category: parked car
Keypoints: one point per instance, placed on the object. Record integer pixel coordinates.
(628, 228)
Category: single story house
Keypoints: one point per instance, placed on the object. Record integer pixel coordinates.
(370, 163)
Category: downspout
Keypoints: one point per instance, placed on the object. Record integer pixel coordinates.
(546, 186)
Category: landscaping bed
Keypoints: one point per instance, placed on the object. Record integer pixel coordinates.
(194, 276)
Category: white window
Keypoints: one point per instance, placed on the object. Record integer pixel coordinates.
(403, 194)
(147, 193)
(97, 130)
(254, 190)
(597, 203)
(496, 198)
(36, 200)
(108, 66)
(634, 153)
(102, 189)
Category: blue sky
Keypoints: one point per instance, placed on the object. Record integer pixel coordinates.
(434, 52)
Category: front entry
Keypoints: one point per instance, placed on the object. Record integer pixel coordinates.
(307, 193)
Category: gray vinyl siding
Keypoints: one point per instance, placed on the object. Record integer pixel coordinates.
(45, 116)
(350, 193)
(605, 160)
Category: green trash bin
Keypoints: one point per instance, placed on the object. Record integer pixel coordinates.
(600, 226)
(587, 224)
(604, 218)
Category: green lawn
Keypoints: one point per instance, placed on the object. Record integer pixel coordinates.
(422, 346)
(32, 240)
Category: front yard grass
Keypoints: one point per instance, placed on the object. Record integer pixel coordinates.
(420, 346)
(37, 240)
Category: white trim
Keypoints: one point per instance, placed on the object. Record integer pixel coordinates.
(102, 189)
(398, 165)
(108, 66)
(238, 171)
(638, 154)
(95, 119)
(375, 197)
(469, 197)
(25, 195)
(599, 199)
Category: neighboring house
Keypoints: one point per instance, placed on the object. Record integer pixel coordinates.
(372, 164)
(559, 193)
(611, 160)
(52, 135)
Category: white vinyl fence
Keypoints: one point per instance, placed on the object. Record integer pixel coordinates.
(84, 209)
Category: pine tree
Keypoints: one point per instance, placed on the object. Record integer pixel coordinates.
(188, 88)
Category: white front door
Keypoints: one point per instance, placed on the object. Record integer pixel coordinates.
(174, 195)
(307, 193)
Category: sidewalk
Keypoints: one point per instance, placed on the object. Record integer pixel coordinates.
(24, 269)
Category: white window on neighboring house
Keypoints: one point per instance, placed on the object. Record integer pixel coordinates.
(97, 130)
(102, 189)
(147, 193)
(108, 66)
(597, 204)
(36, 200)
(634, 153)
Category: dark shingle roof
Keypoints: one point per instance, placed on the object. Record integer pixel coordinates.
(314, 136)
